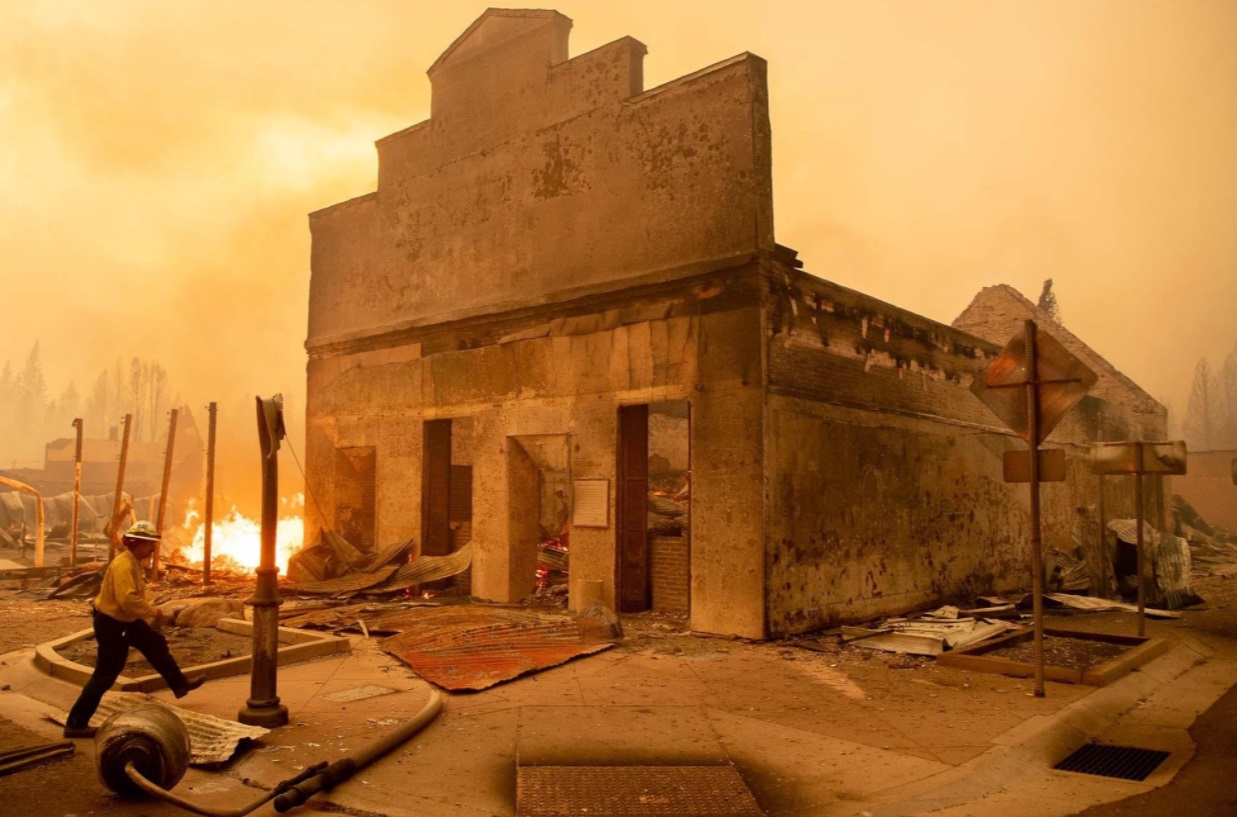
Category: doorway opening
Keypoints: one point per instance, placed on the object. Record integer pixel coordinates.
(653, 508)
(446, 497)
(539, 480)
(446, 485)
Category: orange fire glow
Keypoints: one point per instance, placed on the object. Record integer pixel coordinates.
(236, 539)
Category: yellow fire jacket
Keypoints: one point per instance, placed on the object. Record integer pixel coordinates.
(123, 594)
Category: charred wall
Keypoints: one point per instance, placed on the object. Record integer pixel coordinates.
(884, 472)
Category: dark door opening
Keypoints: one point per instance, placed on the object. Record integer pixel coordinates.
(446, 486)
(631, 501)
(653, 500)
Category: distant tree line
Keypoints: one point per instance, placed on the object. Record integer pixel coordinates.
(29, 418)
(1211, 415)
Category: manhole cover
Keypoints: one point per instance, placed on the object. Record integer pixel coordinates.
(1124, 762)
(633, 791)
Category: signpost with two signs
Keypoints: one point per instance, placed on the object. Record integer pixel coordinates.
(1030, 385)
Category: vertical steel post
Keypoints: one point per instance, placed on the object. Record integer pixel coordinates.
(1138, 508)
(114, 539)
(163, 492)
(208, 531)
(263, 707)
(77, 493)
(39, 541)
(1037, 557)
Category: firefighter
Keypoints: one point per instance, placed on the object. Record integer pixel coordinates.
(124, 618)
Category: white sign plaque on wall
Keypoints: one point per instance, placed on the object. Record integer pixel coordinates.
(590, 503)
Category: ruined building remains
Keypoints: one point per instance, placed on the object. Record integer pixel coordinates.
(564, 309)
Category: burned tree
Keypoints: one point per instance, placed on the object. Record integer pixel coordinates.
(1205, 417)
(1048, 301)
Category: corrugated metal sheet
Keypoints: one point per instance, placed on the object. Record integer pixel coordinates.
(1169, 563)
(468, 647)
(334, 616)
(352, 582)
(429, 569)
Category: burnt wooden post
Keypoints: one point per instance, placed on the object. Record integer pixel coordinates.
(77, 493)
(163, 492)
(208, 531)
(114, 539)
(263, 707)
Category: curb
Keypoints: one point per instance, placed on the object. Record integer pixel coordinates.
(1042, 741)
(295, 646)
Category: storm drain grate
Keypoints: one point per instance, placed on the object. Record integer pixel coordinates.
(1124, 762)
(633, 791)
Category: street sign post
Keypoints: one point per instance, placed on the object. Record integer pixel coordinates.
(1137, 459)
(1030, 385)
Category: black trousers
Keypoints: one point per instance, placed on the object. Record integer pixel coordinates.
(114, 639)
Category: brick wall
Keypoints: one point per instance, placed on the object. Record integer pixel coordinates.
(671, 568)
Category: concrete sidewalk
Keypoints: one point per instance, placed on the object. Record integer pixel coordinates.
(813, 735)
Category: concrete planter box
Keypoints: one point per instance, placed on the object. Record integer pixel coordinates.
(295, 646)
(1139, 652)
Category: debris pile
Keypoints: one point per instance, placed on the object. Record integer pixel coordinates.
(553, 563)
(668, 512)
(1168, 564)
(23, 757)
(1213, 550)
(934, 632)
(929, 633)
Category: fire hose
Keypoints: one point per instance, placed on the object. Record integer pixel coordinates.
(289, 793)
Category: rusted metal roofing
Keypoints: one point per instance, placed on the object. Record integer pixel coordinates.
(430, 568)
(328, 618)
(351, 582)
(470, 647)
(393, 578)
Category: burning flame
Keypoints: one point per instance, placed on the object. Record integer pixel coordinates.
(236, 540)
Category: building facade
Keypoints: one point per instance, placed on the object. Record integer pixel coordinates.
(564, 305)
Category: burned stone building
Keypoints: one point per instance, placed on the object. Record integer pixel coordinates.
(565, 301)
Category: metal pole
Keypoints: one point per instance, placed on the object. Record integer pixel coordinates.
(120, 488)
(163, 492)
(1037, 557)
(263, 707)
(77, 493)
(210, 491)
(39, 541)
(1138, 503)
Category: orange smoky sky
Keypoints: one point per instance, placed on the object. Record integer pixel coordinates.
(158, 161)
